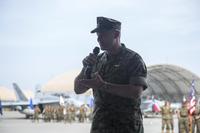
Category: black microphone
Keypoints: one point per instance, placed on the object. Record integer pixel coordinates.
(96, 51)
(88, 69)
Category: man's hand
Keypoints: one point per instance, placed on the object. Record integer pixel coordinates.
(91, 59)
(95, 83)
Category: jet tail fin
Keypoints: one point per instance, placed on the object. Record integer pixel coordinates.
(38, 91)
(31, 104)
(19, 94)
(156, 108)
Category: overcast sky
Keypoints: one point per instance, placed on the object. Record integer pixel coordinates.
(40, 39)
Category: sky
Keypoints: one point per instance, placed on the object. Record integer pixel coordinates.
(40, 39)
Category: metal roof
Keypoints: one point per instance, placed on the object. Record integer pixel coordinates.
(169, 82)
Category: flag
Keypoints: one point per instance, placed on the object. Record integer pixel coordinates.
(192, 90)
(31, 104)
(1, 112)
(191, 97)
(62, 101)
(91, 102)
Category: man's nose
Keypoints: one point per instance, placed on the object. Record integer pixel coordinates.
(98, 39)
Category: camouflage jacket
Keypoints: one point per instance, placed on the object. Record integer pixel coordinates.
(127, 67)
(166, 112)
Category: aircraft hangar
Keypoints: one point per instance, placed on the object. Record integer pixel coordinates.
(170, 82)
(167, 82)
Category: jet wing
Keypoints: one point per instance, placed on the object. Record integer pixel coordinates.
(15, 103)
(27, 103)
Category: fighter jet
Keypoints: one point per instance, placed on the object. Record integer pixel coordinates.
(25, 106)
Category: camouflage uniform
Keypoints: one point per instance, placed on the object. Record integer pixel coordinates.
(90, 114)
(51, 113)
(65, 114)
(73, 112)
(166, 117)
(197, 119)
(171, 120)
(45, 113)
(112, 113)
(192, 123)
(59, 113)
(69, 116)
(82, 113)
(36, 113)
(184, 119)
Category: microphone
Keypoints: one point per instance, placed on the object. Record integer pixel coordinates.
(96, 51)
(88, 69)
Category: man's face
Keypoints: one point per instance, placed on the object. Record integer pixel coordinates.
(106, 39)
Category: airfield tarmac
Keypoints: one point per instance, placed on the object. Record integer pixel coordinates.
(14, 122)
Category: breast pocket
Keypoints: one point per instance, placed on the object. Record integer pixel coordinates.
(118, 73)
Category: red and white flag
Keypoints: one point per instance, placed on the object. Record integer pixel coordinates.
(192, 100)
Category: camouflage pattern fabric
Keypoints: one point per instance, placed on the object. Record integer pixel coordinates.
(112, 113)
(166, 117)
(184, 120)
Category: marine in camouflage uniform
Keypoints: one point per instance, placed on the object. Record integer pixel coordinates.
(82, 113)
(196, 116)
(59, 113)
(72, 110)
(171, 118)
(47, 113)
(166, 117)
(50, 113)
(36, 113)
(69, 116)
(90, 113)
(117, 86)
(65, 114)
(56, 114)
(44, 113)
(61, 108)
(183, 118)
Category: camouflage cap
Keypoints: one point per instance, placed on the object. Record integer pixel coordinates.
(104, 24)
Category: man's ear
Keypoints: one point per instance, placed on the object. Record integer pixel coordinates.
(116, 34)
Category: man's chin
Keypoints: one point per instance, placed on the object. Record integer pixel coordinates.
(102, 48)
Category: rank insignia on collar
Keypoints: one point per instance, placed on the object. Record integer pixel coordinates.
(117, 65)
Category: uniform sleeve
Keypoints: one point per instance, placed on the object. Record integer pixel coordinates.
(137, 71)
